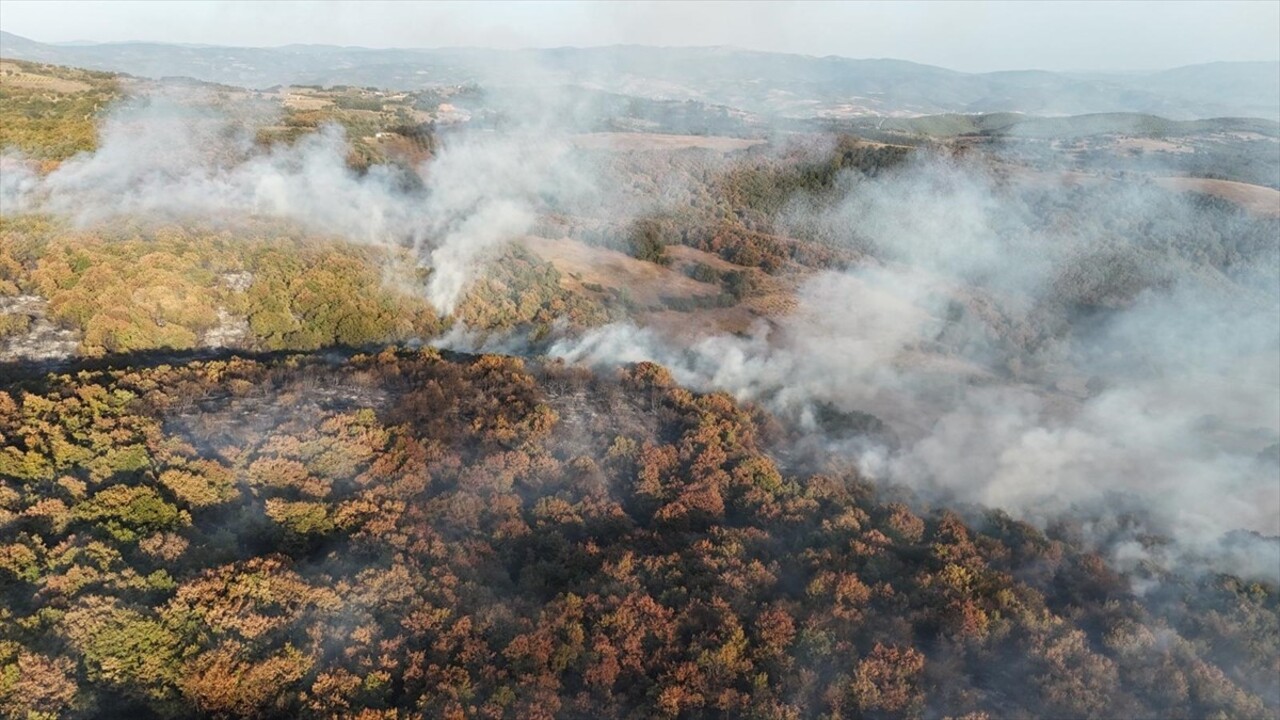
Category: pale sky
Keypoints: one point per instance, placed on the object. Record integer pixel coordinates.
(969, 36)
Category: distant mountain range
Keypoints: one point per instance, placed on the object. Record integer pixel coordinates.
(771, 84)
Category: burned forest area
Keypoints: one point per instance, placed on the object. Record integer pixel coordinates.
(634, 382)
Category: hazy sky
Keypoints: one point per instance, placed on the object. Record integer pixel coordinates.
(973, 36)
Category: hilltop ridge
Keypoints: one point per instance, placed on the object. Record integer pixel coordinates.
(770, 83)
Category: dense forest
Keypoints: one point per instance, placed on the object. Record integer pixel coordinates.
(237, 480)
(405, 534)
(51, 112)
(260, 286)
(264, 284)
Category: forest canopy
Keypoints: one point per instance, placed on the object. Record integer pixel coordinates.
(405, 534)
(950, 424)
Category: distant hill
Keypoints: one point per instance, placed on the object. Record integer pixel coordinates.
(1253, 87)
(1018, 125)
(775, 84)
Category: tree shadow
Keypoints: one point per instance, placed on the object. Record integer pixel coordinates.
(31, 372)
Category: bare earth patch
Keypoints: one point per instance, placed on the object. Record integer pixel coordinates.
(585, 268)
(42, 340)
(301, 101)
(1146, 144)
(1254, 198)
(684, 255)
(13, 75)
(582, 265)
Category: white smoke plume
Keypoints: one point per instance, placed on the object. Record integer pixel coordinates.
(18, 182)
(964, 338)
(964, 332)
(165, 158)
(482, 192)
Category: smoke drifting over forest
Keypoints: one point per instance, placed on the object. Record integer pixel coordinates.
(1102, 353)
(635, 382)
(169, 157)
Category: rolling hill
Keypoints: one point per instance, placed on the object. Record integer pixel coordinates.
(767, 83)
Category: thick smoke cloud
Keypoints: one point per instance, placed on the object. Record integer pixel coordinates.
(485, 191)
(169, 157)
(967, 336)
(163, 157)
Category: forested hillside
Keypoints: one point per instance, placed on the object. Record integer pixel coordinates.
(408, 534)
(51, 112)
(783, 86)
(339, 401)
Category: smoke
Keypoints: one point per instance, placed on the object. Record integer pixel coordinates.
(943, 217)
(165, 158)
(484, 191)
(1050, 350)
(1051, 363)
(170, 158)
(18, 181)
(812, 354)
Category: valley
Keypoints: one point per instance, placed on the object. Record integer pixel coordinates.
(634, 382)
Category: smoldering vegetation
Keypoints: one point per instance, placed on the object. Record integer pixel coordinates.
(1075, 366)
(1033, 345)
(1054, 351)
(482, 535)
(167, 158)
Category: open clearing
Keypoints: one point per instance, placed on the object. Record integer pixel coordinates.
(1254, 198)
(13, 75)
(583, 265)
(301, 101)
